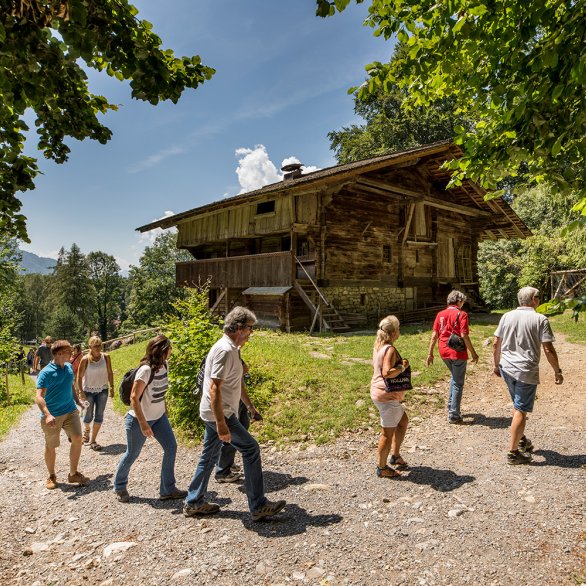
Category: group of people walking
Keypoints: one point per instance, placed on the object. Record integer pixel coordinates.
(71, 380)
(60, 393)
(518, 340)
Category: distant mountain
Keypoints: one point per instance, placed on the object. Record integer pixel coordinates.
(31, 263)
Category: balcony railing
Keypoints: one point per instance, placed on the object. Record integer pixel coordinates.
(274, 269)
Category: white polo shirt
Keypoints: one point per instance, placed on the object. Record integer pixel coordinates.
(223, 363)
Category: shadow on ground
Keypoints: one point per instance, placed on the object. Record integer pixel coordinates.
(113, 449)
(293, 520)
(275, 481)
(560, 460)
(492, 422)
(440, 480)
(100, 483)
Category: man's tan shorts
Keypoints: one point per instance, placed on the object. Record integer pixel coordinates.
(69, 423)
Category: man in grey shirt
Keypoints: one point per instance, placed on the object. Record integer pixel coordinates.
(223, 388)
(519, 338)
(43, 355)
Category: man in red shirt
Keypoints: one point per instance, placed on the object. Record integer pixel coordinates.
(453, 320)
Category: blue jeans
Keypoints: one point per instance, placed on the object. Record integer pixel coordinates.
(522, 394)
(228, 451)
(250, 450)
(457, 369)
(97, 400)
(135, 441)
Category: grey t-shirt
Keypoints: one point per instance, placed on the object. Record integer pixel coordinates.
(45, 355)
(223, 363)
(522, 332)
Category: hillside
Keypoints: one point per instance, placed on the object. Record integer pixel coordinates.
(32, 263)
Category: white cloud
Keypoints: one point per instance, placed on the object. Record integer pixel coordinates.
(147, 238)
(304, 168)
(156, 159)
(255, 169)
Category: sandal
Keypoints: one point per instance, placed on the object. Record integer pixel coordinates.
(86, 437)
(95, 446)
(387, 472)
(399, 463)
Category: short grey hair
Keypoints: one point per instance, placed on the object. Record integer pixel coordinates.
(238, 318)
(526, 295)
(456, 296)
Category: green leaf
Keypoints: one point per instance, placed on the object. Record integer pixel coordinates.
(557, 146)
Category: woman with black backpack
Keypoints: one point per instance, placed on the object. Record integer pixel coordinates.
(147, 417)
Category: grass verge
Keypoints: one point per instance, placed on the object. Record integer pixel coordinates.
(22, 396)
(311, 389)
(575, 332)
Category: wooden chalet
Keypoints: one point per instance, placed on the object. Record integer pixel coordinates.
(343, 245)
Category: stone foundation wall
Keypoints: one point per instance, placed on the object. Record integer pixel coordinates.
(373, 302)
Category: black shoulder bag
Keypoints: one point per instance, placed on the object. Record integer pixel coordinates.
(456, 342)
(402, 382)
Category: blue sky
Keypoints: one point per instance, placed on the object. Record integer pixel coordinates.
(281, 81)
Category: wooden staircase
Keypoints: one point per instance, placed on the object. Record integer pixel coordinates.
(324, 313)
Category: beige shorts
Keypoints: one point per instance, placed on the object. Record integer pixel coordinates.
(390, 412)
(69, 423)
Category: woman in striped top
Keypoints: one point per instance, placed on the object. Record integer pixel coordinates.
(147, 417)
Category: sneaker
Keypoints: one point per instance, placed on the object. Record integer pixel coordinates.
(230, 477)
(203, 509)
(51, 482)
(525, 445)
(77, 478)
(268, 510)
(176, 494)
(518, 457)
(122, 496)
(236, 468)
(455, 420)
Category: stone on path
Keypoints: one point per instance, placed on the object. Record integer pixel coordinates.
(315, 487)
(118, 547)
(181, 573)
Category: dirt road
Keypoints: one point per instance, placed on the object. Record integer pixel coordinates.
(460, 516)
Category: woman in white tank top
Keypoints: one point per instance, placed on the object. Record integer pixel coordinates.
(93, 378)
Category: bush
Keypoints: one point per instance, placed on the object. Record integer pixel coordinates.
(193, 331)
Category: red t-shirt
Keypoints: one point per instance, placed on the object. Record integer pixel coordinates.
(443, 326)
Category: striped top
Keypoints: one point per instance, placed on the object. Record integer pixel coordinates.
(153, 398)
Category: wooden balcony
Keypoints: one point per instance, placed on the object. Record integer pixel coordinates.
(259, 270)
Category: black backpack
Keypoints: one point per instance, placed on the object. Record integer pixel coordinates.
(201, 373)
(128, 380)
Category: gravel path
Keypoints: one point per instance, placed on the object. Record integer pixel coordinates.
(460, 516)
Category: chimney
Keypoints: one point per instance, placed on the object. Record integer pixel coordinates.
(292, 171)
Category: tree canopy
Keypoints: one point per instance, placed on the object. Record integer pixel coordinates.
(43, 44)
(152, 283)
(517, 67)
(390, 127)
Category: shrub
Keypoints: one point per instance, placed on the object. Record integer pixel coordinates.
(192, 330)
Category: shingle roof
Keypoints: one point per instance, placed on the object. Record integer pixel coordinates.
(512, 226)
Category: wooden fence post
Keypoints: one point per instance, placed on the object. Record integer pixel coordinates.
(7, 389)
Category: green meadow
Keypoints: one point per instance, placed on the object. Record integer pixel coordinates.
(311, 389)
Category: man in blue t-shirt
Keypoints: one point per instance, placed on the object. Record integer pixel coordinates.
(57, 399)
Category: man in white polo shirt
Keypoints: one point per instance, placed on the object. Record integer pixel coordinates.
(517, 349)
(222, 390)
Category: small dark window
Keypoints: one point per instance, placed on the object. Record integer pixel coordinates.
(386, 253)
(265, 207)
(362, 298)
(417, 256)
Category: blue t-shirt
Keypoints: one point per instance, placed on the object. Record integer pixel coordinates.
(59, 384)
